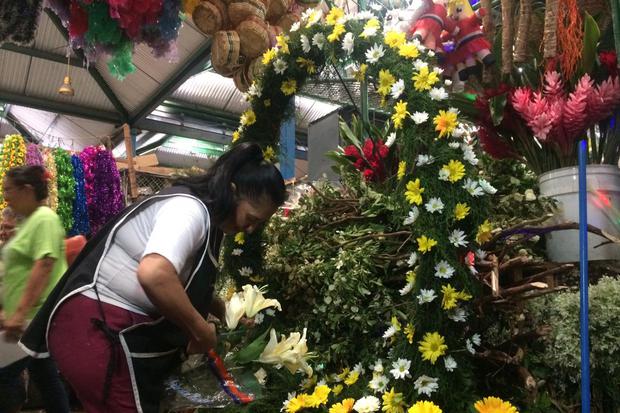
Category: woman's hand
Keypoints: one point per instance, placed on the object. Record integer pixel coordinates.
(205, 339)
(14, 328)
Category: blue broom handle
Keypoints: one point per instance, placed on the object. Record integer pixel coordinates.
(583, 279)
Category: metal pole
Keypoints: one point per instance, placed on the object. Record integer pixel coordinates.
(583, 278)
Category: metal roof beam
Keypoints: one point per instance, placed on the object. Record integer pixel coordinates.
(193, 65)
(182, 130)
(42, 54)
(60, 107)
(19, 127)
(94, 73)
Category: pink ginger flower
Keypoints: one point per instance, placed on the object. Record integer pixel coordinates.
(604, 99)
(554, 86)
(575, 109)
(521, 102)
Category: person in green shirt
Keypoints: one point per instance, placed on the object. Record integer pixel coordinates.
(34, 261)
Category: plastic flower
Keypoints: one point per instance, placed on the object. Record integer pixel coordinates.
(370, 28)
(337, 389)
(456, 170)
(434, 205)
(488, 188)
(484, 232)
(386, 80)
(289, 87)
(422, 160)
(413, 258)
(352, 378)
(291, 352)
(398, 89)
(419, 117)
(402, 169)
(426, 296)
(457, 238)
(248, 117)
(438, 93)
(379, 383)
(473, 187)
(336, 33)
(458, 315)
(312, 17)
(444, 270)
(494, 405)
(235, 309)
(408, 50)
(245, 271)
(334, 16)
(282, 43)
(345, 406)
(269, 55)
(375, 53)
(394, 39)
(424, 79)
(400, 113)
(445, 123)
(449, 363)
(319, 396)
(235, 136)
(432, 347)
(360, 74)
(296, 403)
(413, 214)
(451, 297)
(425, 244)
(307, 64)
(424, 406)
(368, 404)
(461, 210)
(318, 40)
(426, 385)
(389, 333)
(280, 66)
(269, 153)
(255, 301)
(393, 402)
(409, 332)
(400, 368)
(348, 43)
(413, 194)
(236, 252)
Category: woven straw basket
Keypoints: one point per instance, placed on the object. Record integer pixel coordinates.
(240, 10)
(254, 37)
(286, 21)
(253, 69)
(210, 16)
(274, 32)
(225, 52)
(241, 81)
(277, 8)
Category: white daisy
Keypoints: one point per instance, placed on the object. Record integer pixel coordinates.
(389, 333)
(460, 130)
(318, 40)
(431, 53)
(530, 195)
(458, 315)
(481, 254)
(259, 318)
(470, 156)
(359, 368)
(413, 258)
(367, 404)
(450, 363)
(457, 238)
(406, 289)
(476, 339)
(369, 32)
(426, 385)
(378, 366)
(375, 53)
(473, 187)
(413, 215)
(424, 160)
(444, 270)
(434, 205)
(236, 252)
(419, 64)
(400, 368)
(444, 174)
(245, 271)
(470, 346)
(447, 82)
(295, 27)
(438, 93)
(379, 383)
(305, 43)
(280, 66)
(426, 296)
(364, 15)
(419, 117)
(313, 16)
(454, 145)
(348, 43)
(261, 376)
(397, 88)
(254, 90)
(390, 139)
(486, 186)
(286, 402)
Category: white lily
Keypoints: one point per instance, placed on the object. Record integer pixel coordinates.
(291, 352)
(235, 308)
(256, 302)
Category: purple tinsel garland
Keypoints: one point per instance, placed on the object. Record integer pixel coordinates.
(102, 184)
(33, 155)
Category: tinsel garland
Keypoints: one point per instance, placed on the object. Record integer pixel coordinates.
(102, 183)
(52, 183)
(13, 154)
(33, 155)
(18, 20)
(80, 212)
(66, 187)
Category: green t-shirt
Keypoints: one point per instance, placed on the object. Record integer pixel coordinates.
(40, 235)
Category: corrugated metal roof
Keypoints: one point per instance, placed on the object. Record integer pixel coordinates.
(179, 158)
(48, 37)
(13, 71)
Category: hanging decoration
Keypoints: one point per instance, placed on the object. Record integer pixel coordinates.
(13, 154)
(18, 20)
(102, 186)
(65, 186)
(33, 155)
(52, 183)
(115, 27)
(570, 36)
(80, 211)
(523, 29)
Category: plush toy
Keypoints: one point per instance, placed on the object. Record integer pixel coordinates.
(469, 40)
(428, 27)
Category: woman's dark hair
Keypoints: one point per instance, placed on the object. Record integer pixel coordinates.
(244, 166)
(34, 175)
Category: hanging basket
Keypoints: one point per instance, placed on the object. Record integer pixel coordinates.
(254, 37)
(210, 16)
(225, 56)
(277, 8)
(286, 21)
(240, 80)
(253, 69)
(308, 3)
(240, 10)
(274, 32)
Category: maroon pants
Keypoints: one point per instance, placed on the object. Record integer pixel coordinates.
(82, 353)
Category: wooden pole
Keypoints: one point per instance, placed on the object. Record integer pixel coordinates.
(133, 185)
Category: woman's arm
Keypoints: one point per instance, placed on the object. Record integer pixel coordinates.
(161, 284)
(37, 282)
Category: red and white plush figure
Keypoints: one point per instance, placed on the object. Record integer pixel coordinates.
(428, 27)
(470, 44)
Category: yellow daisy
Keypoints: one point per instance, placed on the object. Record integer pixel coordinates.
(425, 244)
(371, 26)
(248, 117)
(282, 43)
(461, 210)
(400, 114)
(360, 75)
(484, 232)
(307, 64)
(289, 87)
(414, 192)
(425, 79)
(320, 395)
(424, 407)
(386, 80)
(494, 405)
(336, 33)
(269, 55)
(445, 123)
(409, 332)
(297, 403)
(235, 136)
(402, 169)
(395, 39)
(393, 402)
(344, 373)
(345, 406)
(240, 238)
(395, 323)
(409, 50)
(450, 297)
(456, 170)
(334, 15)
(352, 378)
(269, 154)
(337, 389)
(411, 277)
(432, 346)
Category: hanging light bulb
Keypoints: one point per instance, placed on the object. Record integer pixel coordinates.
(66, 89)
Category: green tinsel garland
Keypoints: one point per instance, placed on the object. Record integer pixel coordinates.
(66, 187)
